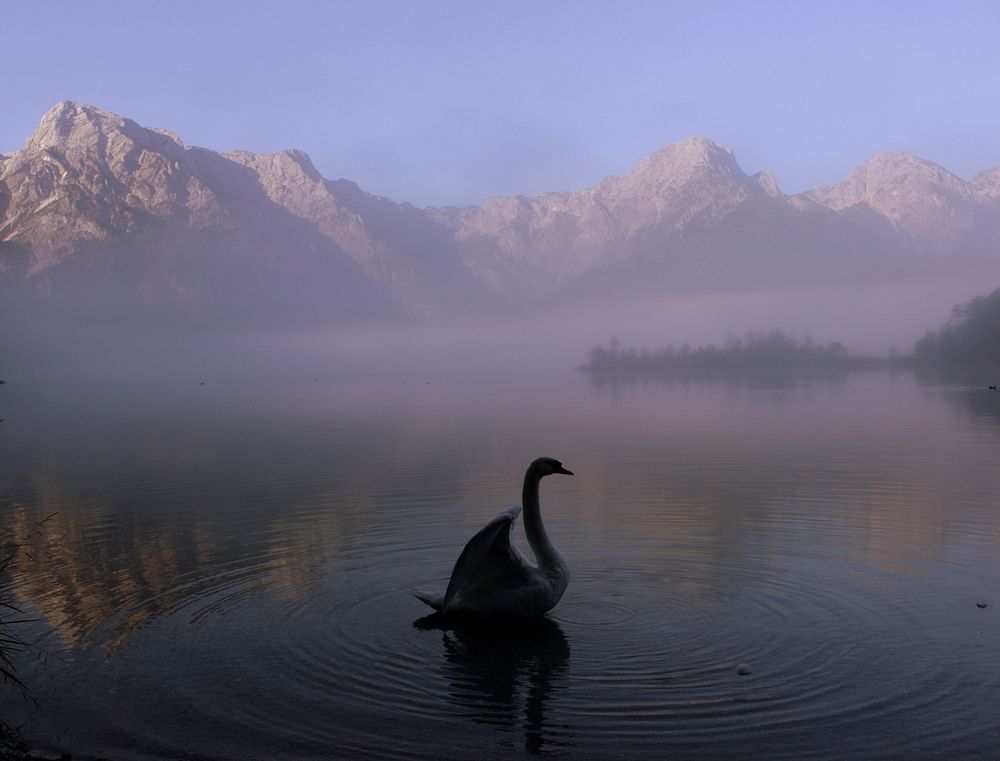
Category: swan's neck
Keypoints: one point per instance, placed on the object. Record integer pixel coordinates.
(546, 555)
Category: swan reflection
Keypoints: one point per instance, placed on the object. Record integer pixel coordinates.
(504, 675)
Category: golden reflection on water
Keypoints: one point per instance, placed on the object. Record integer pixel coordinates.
(83, 569)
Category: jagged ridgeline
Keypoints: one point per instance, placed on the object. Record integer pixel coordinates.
(97, 211)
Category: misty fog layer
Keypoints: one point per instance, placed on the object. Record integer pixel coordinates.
(869, 320)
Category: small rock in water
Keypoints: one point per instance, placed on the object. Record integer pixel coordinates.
(743, 669)
(981, 604)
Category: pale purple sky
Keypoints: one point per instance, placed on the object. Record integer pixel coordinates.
(448, 102)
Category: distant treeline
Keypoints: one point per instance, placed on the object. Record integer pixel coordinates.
(972, 336)
(755, 351)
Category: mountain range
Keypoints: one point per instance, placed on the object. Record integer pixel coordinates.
(96, 210)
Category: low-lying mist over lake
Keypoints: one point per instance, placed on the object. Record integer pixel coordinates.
(870, 320)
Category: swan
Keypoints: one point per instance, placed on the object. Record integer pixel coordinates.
(492, 578)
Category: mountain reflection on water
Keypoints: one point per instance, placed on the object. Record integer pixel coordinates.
(228, 569)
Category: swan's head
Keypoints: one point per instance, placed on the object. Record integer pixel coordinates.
(546, 466)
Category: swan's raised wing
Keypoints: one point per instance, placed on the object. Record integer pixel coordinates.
(487, 561)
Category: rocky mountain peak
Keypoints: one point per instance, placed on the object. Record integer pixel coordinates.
(76, 127)
(285, 166)
(886, 181)
(767, 182)
(900, 164)
(303, 162)
(920, 198)
(68, 122)
(169, 134)
(682, 161)
(987, 183)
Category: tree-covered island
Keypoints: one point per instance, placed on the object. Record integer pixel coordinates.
(971, 337)
(774, 351)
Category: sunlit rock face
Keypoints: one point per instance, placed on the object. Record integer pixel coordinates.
(688, 212)
(87, 175)
(931, 207)
(94, 196)
(544, 242)
(90, 189)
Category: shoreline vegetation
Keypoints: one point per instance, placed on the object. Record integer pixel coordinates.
(754, 354)
(13, 646)
(11, 743)
(971, 338)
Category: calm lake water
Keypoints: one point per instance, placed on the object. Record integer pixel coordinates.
(227, 570)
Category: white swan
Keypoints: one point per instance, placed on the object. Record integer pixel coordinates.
(492, 579)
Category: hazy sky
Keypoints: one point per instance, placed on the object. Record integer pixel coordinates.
(442, 102)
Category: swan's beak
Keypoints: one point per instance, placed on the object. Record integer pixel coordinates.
(564, 471)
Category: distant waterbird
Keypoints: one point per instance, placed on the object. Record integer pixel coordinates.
(492, 579)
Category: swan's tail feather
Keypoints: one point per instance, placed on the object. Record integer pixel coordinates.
(434, 601)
